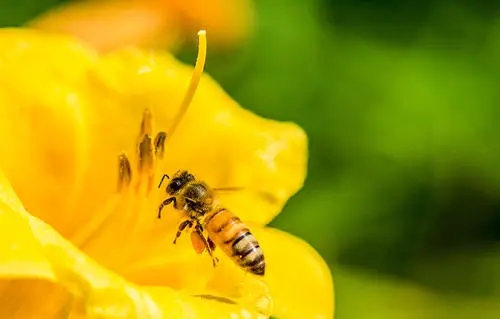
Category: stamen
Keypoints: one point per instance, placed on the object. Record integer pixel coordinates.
(160, 144)
(146, 123)
(124, 172)
(146, 162)
(145, 131)
(148, 151)
(195, 80)
(146, 157)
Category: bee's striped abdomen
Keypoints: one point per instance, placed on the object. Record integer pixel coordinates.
(250, 255)
(235, 239)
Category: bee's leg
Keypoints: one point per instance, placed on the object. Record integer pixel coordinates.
(211, 244)
(187, 223)
(207, 242)
(162, 179)
(166, 202)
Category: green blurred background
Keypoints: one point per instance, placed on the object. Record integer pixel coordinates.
(400, 101)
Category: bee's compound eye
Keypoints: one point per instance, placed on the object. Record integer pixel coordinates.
(177, 184)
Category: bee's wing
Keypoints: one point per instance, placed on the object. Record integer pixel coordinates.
(219, 190)
(231, 190)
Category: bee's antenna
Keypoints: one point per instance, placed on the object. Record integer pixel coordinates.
(163, 177)
(195, 79)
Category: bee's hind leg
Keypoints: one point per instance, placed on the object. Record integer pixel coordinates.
(187, 223)
(209, 244)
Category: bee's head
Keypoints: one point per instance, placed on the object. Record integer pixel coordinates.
(178, 181)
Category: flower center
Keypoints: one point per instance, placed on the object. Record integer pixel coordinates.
(129, 214)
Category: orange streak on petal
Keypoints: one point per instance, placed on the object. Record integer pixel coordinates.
(110, 24)
(227, 21)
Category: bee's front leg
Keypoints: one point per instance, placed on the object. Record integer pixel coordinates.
(187, 223)
(166, 202)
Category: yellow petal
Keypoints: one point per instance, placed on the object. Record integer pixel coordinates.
(217, 140)
(98, 103)
(298, 279)
(41, 120)
(236, 148)
(111, 24)
(112, 92)
(16, 260)
(42, 275)
(145, 253)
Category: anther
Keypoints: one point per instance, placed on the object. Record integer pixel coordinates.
(124, 172)
(160, 144)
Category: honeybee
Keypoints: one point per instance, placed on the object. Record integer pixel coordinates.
(196, 200)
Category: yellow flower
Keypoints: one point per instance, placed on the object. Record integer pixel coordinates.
(108, 24)
(88, 250)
